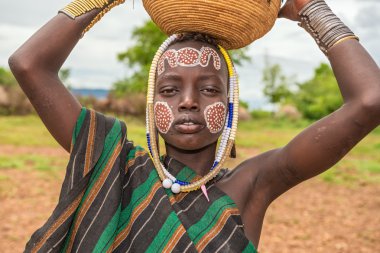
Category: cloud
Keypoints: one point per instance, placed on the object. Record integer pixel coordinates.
(367, 17)
(367, 28)
(93, 61)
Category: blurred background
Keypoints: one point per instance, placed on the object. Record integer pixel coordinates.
(286, 85)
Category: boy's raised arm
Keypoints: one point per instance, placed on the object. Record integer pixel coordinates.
(36, 65)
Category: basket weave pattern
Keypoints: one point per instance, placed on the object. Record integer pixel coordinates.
(233, 23)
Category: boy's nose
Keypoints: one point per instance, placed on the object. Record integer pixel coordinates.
(189, 102)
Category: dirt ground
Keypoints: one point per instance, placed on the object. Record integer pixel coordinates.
(313, 217)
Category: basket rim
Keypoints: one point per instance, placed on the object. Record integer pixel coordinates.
(220, 19)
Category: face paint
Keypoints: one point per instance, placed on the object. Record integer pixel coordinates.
(163, 116)
(189, 57)
(215, 115)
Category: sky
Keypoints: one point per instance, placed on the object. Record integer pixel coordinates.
(93, 62)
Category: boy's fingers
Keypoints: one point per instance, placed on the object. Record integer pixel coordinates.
(281, 13)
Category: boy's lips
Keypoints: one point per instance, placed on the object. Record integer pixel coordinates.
(188, 125)
(188, 128)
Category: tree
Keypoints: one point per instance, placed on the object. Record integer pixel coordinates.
(314, 98)
(12, 98)
(320, 95)
(276, 84)
(64, 75)
(147, 38)
(6, 78)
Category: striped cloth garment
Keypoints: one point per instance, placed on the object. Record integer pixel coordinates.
(112, 200)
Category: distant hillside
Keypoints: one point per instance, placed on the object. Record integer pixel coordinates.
(97, 93)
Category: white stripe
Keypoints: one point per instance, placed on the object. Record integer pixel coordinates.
(188, 247)
(55, 245)
(150, 217)
(170, 160)
(233, 231)
(134, 170)
(220, 230)
(187, 209)
(173, 243)
(72, 172)
(96, 215)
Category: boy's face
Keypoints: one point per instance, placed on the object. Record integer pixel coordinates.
(191, 95)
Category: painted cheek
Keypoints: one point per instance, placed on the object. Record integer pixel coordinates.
(163, 116)
(215, 115)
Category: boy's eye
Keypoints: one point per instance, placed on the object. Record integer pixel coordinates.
(168, 91)
(210, 90)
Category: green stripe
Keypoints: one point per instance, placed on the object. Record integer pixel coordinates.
(132, 153)
(169, 192)
(165, 234)
(138, 196)
(108, 235)
(249, 249)
(79, 124)
(207, 222)
(109, 146)
(186, 174)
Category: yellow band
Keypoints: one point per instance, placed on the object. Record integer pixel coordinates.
(344, 39)
(80, 7)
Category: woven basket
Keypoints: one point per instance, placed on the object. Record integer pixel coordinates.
(234, 23)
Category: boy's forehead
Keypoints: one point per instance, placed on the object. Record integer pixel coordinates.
(192, 54)
(191, 43)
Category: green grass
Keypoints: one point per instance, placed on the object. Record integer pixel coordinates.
(10, 162)
(30, 131)
(351, 170)
(30, 161)
(25, 131)
(361, 164)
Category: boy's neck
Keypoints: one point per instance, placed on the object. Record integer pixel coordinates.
(199, 160)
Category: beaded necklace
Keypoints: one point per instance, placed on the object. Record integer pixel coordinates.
(228, 135)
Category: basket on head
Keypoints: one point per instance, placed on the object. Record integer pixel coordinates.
(234, 23)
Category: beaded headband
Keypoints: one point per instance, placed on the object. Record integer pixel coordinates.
(228, 135)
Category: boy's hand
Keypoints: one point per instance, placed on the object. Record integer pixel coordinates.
(291, 9)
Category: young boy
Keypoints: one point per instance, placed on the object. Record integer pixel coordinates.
(116, 197)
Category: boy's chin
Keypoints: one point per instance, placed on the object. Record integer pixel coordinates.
(188, 144)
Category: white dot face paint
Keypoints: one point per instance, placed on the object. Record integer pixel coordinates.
(215, 115)
(189, 57)
(164, 117)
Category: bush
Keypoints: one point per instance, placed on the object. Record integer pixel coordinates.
(6, 78)
(129, 104)
(261, 114)
(14, 101)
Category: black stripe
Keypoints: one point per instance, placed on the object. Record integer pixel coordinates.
(105, 215)
(169, 233)
(79, 150)
(216, 216)
(151, 228)
(237, 243)
(139, 177)
(183, 243)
